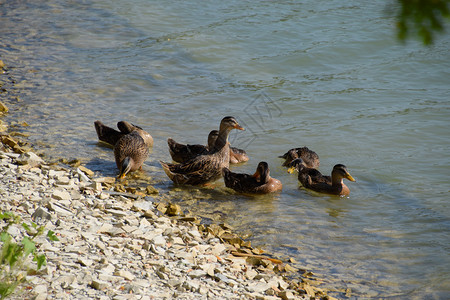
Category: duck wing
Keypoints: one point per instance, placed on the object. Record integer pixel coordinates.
(184, 152)
(107, 134)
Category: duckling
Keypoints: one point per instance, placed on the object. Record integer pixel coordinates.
(110, 136)
(309, 157)
(131, 150)
(207, 167)
(312, 179)
(181, 152)
(258, 183)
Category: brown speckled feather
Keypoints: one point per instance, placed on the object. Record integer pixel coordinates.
(258, 183)
(208, 167)
(309, 157)
(311, 178)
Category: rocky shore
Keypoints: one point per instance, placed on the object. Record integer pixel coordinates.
(122, 243)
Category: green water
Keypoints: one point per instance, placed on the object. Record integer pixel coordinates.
(327, 75)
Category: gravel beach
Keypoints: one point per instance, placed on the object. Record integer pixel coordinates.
(120, 244)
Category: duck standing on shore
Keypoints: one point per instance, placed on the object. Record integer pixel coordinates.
(312, 179)
(258, 183)
(309, 157)
(207, 167)
(183, 152)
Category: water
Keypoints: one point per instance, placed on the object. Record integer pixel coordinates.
(327, 75)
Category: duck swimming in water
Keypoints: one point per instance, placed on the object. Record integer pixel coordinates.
(183, 152)
(258, 183)
(312, 179)
(207, 167)
(309, 157)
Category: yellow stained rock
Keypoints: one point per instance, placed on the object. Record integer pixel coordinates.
(7, 140)
(3, 108)
(88, 172)
(173, 209)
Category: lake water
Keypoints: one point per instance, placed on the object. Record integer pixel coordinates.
(329, 75)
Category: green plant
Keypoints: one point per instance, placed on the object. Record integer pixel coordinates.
(14, 255)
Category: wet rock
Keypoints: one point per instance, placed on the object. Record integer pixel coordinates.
(29, 159)
(173, 209)
(87, 171)
(3, 107)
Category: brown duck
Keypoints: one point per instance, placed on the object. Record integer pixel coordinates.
(258, 183)
(207, 167)
(110, 135)
(131, 150)
(312, 179)
(183, 152)
(309, 157)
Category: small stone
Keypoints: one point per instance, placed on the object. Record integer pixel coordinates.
(3, 107)
(125, 274)
(159, 240)
(85, 262)
(29, 158)
(99, 284)
(61, 195)
(151, 190)
(197, 273)
(142, 206)
(173, 209)
(87, 171)
(40, 213)
(59, 209)
(286, 295)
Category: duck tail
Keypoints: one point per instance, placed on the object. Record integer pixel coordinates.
(125, 167)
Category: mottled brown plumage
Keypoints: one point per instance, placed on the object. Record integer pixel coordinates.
(131, 150)
(312, 179)
(258, 183)
(110, 135)
(309, 157)
(207, 167)
(183, 152)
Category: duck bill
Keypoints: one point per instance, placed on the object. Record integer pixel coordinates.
(239, 127)
(291, 170)
(349, 177)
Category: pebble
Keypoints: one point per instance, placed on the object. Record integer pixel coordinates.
(118, 246)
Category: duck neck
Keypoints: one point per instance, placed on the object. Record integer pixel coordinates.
(222, 139)
(336, 180)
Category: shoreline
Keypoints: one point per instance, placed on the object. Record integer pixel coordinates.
(129, 244)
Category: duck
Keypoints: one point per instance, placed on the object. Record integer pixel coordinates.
(110, 135)
(237, 155)
(183, 152)
(309, 157)
(258, 183)
(312, 179)
(131, 150)
(205, 168)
